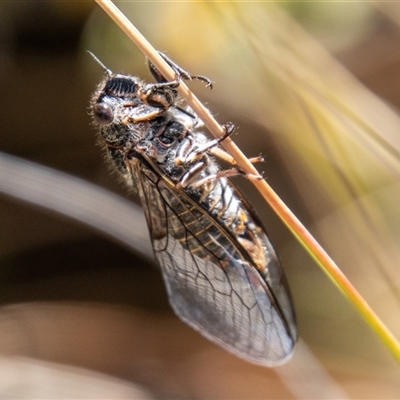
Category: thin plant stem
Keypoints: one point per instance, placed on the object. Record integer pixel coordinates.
(285, 214)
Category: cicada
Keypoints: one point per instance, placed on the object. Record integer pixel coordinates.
(222, 275)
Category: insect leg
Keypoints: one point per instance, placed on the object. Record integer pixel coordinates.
(189, 179)
(223, 155)
(191, 175)
(180, 73)
(145, 116)
(198, 154)
(163, 94)
(212, 148)
(160, 95)
(226, 173)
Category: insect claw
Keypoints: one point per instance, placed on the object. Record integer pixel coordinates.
(203, 78)
(261, 176)
(259, 158)
(229, 128)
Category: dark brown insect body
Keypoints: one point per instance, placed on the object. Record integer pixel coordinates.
(222, 274)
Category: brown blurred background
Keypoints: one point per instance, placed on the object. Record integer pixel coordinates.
(83, 316)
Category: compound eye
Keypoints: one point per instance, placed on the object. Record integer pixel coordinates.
(103, 113)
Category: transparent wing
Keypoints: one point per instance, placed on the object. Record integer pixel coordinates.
(210, 284)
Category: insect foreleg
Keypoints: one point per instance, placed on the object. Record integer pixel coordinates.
(179, 72)
(142, 117)
(160, 95)
(163, 94)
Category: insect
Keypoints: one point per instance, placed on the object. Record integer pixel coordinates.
(221, 272)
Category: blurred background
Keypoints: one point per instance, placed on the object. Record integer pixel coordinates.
(313, 86)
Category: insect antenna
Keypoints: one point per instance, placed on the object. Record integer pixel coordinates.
(105, 69)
